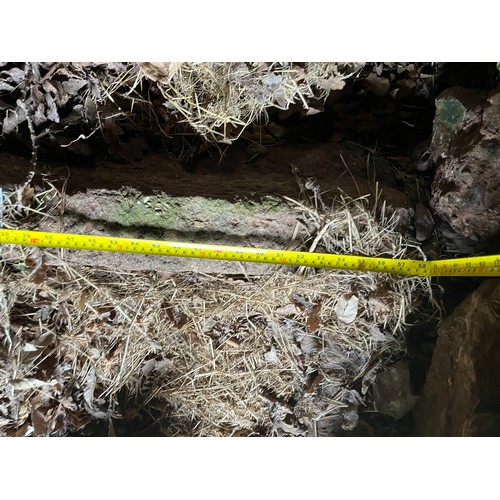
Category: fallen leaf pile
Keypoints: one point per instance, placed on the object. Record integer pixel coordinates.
(73, 106)
(123, 110)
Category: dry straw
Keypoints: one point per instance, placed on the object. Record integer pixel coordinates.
(292, 352)
(219, 100)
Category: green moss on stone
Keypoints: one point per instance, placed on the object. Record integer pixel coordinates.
(451, 112)
(167, 212)
(152, 211)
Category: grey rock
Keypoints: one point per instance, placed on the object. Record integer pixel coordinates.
(424, 222)
(392, 392)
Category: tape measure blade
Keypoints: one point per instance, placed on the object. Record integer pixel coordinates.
(467, 266)
(481, 266)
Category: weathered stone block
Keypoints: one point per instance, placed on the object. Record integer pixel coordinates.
(466, 151)
(462, 393)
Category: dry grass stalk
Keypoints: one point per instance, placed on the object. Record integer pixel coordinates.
(284, 354)
(219, 100)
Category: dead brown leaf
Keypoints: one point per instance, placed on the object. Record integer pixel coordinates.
(37, 95)
(346, 308)
(15, 75)
(77, 420)
(309, 344)
(116, 350)
(39, 275)
(331, 83)
(380, 304)
(12, 120)
(411, 70)
(177, 317)
(52, 113)
(30, 383)
(314, 319)
(27, 196)
(369, 378)
(314, 381)
(313, 111)
(403, 88)
(38, 421)
(112, 133)
(4, 422)
(73, 85)
(156, 71)
(377, 84)
(90, 384)
(6, 87)
(56, 418)
(23, 430)
(160, 366)
(33, 350)
(56, 89)
(376, 334)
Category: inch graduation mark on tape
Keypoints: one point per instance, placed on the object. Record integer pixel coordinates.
(468, 266)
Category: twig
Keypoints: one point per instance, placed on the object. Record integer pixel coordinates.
(28, 80)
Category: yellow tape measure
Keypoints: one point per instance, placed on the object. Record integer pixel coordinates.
(468, 266)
